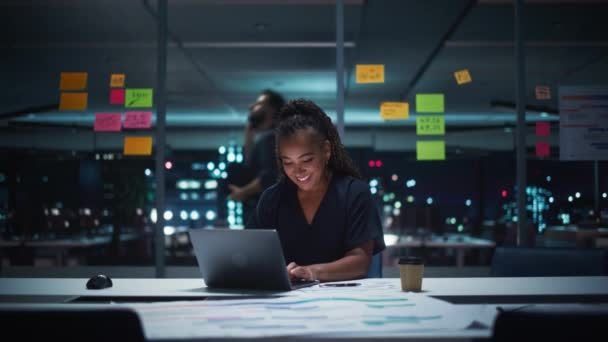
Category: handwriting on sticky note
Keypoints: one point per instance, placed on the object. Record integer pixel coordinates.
(542, 92)
(394, 110)
(430, 125)
(117, 80)
(139, 98)
(370, 73)
(107, 122)
(73, 101)
(137, 146)
(430, 150)
(543, 149)
(462, 76)
(138, 119)
(543, 129)
(430, 103)
(73, 80)
(117, 96)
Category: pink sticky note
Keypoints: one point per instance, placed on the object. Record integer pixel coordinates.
(543, 149)
(543, 129)
(107, 122)
(138, 119)
(117, 96)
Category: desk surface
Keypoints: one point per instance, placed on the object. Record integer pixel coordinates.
(196, 287)
(166, 320)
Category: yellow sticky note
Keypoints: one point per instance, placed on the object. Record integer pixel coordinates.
(73, 101)
(73, 80)
(430, 125)
(430, 103)
(394, 110)
(430, 150)
(542, 92)
(370, 73)
(462, 76)
(117, 81)
(138, 146)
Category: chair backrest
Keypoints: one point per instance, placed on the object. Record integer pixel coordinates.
(548, 262)
(375, 266)
(551, 324)
(69, 324)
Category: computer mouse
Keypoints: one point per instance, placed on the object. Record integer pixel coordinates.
(98, 282)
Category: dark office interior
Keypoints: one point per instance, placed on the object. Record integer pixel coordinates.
(125, 125)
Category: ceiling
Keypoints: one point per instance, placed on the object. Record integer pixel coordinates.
(233, 49)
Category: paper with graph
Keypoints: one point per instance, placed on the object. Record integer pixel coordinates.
(317, 311)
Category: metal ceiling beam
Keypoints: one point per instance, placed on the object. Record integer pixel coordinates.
(528, 44)
(541, 2)
(425, 65)
(292, 44)
(73, 3)
(186, 45)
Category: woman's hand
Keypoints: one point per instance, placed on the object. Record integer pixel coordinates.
(300, 272)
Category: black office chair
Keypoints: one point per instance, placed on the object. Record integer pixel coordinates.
(548, 262)
(375, 266)
(71, 324)
(551, 324)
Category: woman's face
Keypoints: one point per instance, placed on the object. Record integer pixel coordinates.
(304, 158)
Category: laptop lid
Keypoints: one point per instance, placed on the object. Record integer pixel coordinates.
(240, 259)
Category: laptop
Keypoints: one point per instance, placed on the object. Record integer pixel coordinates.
(242, 259)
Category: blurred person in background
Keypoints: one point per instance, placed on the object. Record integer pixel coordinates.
(260, 169)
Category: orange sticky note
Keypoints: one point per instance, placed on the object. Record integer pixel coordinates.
(73, 80)
(370, 73)
(117, 81)
(73, 101)
(542, 92)
(394, 110)
(462, 76)
(138, 146)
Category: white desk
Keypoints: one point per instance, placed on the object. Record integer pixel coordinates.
(183, 289)
(188, 288)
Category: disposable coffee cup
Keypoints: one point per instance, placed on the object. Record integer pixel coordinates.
(411, 270)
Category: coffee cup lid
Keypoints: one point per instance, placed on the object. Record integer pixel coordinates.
(410, 261)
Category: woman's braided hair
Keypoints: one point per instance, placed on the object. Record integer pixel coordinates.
(302, 114)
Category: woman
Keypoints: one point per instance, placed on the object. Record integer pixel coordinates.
(323, 212)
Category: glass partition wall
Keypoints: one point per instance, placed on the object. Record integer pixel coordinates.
(429, 120)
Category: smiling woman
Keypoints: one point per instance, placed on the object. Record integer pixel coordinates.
(324, 213)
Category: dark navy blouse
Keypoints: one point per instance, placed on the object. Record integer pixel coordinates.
(346, 218)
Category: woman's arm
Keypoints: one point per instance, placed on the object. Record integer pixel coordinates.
(353, 265)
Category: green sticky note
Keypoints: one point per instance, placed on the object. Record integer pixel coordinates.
(430, 150)
(429, 103)
(430, 125)
(139, 98)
